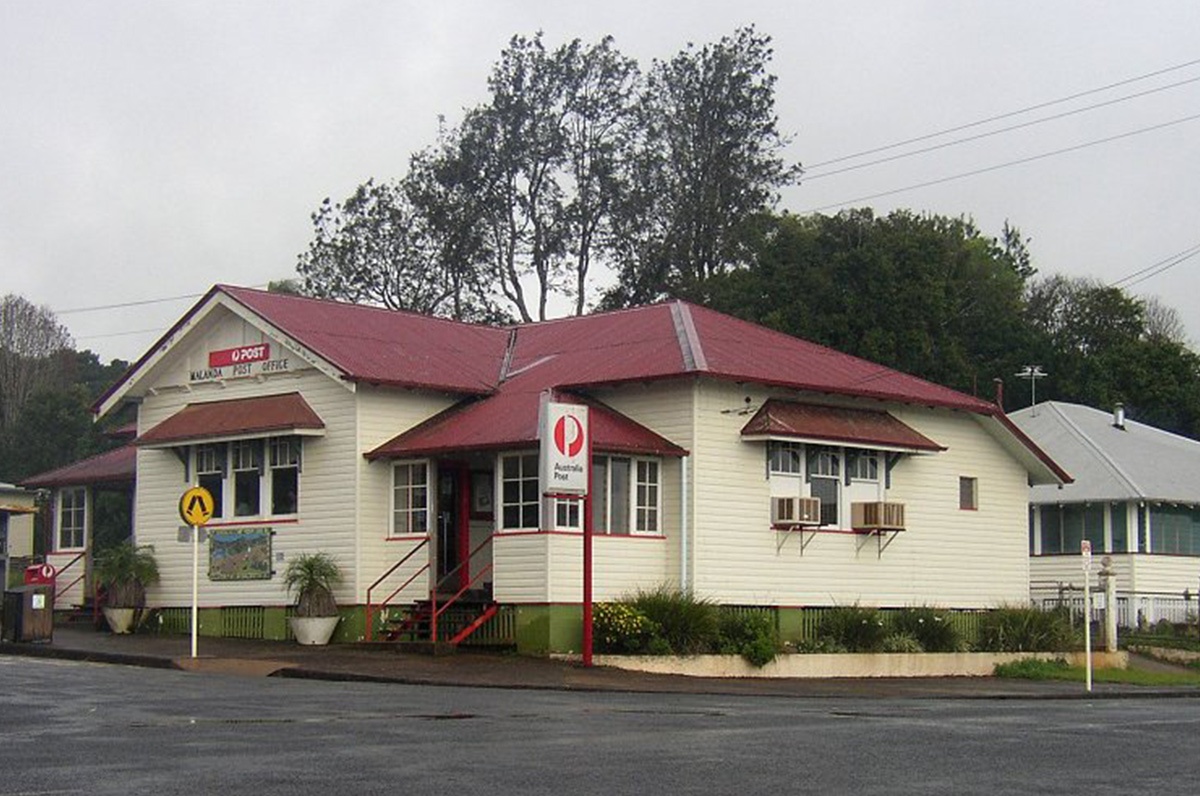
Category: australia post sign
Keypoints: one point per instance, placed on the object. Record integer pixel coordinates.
(564, 433)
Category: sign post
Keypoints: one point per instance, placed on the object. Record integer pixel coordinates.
(1085, 549)
(196, 509)
(565, 432)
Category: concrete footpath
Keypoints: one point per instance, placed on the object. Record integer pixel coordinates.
(381, 663)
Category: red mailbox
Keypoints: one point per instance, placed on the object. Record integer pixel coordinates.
(40, 575)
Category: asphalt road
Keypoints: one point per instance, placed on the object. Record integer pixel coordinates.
(69, 728)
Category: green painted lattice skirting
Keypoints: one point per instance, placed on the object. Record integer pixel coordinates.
(533, 629)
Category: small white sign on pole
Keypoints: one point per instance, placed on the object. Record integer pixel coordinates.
(563, 433)
(1085, 550)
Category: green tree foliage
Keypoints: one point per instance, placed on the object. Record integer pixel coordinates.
(708, 162)
(1101, 346)
(55, 426)
(928, 295)
(573, 161)
(31, 338)
(380, 246)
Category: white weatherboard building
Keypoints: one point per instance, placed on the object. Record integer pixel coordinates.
(746, 465)
(1135, 497)
(17, 511)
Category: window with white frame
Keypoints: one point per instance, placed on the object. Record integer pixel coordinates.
(247, 477)
(825, 479)
(863, 465)
(626, 495)
(519, 498)
(72, 518)
(410, 498)
(210, 474)
(284, 460)
(968, 493)
(646, 502)
(786, 458)
(568, 514)
(251, 478)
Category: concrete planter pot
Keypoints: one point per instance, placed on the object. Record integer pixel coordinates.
(313, 630)
(121, 621)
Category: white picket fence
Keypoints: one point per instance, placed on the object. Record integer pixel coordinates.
(1134, 610)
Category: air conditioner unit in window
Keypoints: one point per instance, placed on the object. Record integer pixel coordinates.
(795, 511)
(877, 516)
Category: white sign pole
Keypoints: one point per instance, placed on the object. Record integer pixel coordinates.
(196, 509)
(195, 585)
(1085, 548)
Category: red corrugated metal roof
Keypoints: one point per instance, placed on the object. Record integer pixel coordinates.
(836, 424)
(737, 349)
(510, 420)
(646, 343)
(383, 346)
(652, 342)
(115, 466)
(237, 417)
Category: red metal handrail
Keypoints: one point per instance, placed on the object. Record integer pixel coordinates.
(59, 592)
(434, 611)
(383, 603)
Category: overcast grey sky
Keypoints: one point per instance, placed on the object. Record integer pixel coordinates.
(151, 149)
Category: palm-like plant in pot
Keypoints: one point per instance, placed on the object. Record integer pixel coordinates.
(124, 571)
(311, 577)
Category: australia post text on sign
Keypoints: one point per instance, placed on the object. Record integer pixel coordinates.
(564, 449)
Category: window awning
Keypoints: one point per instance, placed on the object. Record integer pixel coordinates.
(115, 467)
(239, 418)
(863, 428)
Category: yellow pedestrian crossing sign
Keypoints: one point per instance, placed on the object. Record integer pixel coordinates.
(196, 506)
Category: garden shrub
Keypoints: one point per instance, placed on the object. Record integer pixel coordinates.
(934, 629)
(902, 642)
(1025, 629)
(1031, 669)
(814, 646)
(853, 627)
(621, 628)
(687, 623)
(753, 636)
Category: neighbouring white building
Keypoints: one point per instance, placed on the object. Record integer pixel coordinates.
(1135, 498)
(746, 465)
(17, 511)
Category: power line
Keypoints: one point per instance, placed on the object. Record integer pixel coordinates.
(126, 304)
(1001, 116)
(810, 177)
(158, 330)
(1157, 268)
(998, 166)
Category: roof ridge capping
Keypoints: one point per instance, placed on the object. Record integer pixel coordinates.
(689, 341)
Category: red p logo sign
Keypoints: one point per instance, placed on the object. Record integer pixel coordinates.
(568, 436)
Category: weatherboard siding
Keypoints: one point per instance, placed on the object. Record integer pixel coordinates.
(1166, 575)
(946, 556)
(382, 414)
(326, 519)
(1047, 574)
(521, 562)
(666, 408)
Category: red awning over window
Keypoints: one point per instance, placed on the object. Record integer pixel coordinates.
(835, 424)
(238, 418)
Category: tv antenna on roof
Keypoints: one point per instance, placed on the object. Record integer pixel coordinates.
(1032, 373)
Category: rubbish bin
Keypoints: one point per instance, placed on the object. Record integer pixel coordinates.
(29, 614)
